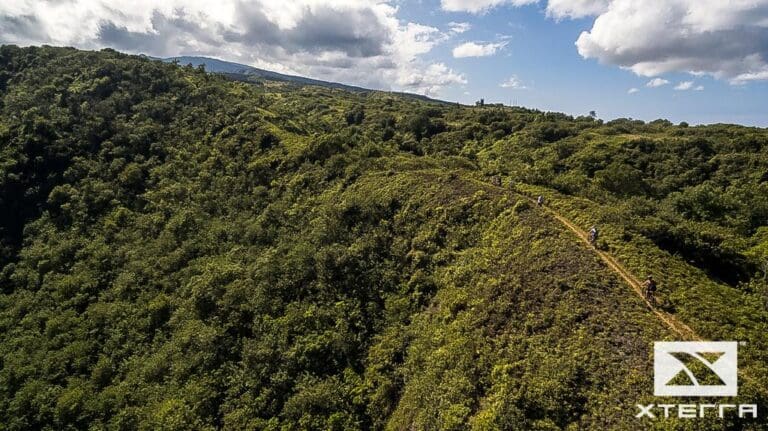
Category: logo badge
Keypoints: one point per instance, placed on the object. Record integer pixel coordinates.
(695, 369)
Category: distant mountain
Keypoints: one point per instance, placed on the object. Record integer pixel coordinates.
(226, 67)
(244, 72)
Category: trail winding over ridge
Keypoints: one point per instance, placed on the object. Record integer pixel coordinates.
(678, 327)
(669, 320)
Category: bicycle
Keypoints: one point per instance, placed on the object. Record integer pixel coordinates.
(650, 297)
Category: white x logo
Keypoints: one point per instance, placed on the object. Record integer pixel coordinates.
(645, 411)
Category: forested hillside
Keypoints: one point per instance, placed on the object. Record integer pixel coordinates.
(183, 251)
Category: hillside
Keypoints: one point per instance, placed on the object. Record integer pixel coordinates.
(183, 251)
(248, 72)
(242, 72)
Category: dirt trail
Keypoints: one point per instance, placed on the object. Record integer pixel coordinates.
(669, 320)
(678, 327)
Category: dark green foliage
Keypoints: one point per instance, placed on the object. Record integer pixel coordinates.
(424, 124)
(183, 251)
(355, 115)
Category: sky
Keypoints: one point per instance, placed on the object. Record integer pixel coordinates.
(699, 61)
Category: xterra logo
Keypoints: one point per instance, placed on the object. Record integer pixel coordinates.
(695, 369)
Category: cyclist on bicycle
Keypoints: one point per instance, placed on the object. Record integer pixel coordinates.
(593, 235)
(650, 288)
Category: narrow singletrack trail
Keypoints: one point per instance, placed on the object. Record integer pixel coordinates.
(669, 320)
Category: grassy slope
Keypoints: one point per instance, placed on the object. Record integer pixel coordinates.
(716, 311)
(529, 322)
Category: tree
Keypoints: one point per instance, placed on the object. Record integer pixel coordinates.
(759, 252)
(355, 115)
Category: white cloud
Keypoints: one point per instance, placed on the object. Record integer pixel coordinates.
(656, 82)
(723, 39)
(684, 85)
(361, 42)
(560, 9)
(633, 90)
(699, 88)
(473, 49)
(432, 79)
(412, 40)
(459, 27)
(514, 83)
(479, 6)
(750, 76)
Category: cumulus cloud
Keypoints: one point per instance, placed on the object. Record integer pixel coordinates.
(459, 27)
(725, 39)
(479, 6)
(633, 90)
(474, 49)
(750, 76)
(560, 9)
(688, 85)
(514, 83)
(656, 82)
(355, 41)
(433, 78)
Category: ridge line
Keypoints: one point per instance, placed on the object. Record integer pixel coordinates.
(669, 320)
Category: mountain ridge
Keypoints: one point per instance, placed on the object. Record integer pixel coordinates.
(242, 71)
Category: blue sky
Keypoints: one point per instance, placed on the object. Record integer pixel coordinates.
(571, 56)
(541, 53)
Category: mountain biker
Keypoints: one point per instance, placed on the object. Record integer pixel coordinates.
(593, 235)
(540, 200)
(650, 288)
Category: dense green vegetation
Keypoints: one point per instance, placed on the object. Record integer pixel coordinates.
(183, 251)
